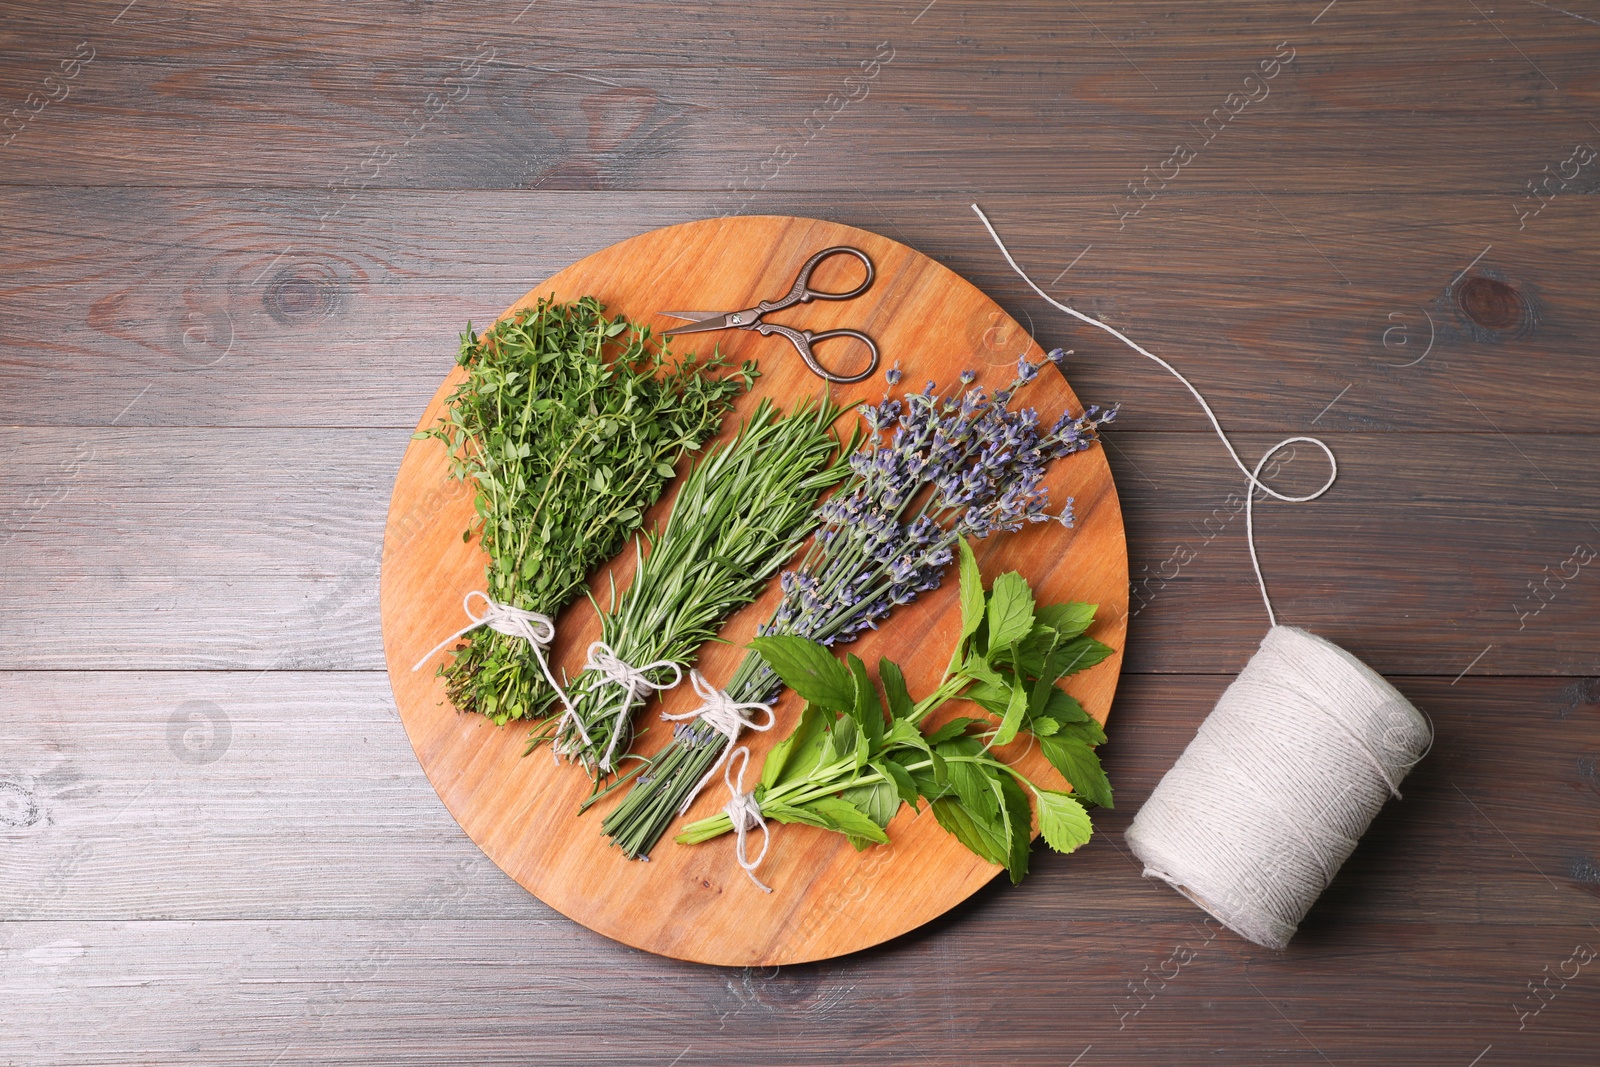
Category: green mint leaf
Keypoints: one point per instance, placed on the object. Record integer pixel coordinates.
(809, 669)
(1016, 709)
(894, 687)
(1019, 825)
(982, 837)
(900, 778)
(844, 739)
(806, 737)
(1010, 610)
(954, 728)
(866, 708)
(971, 592)
(1080, 766)
(970, 782)
(903, 734)
(977, 668)
(878, 801)
(1067, 620)
(847, 819)
(778, 811)
(1063, 706)
(1076, 655)
(993, 697)
(1063, 821)
(1088, 731)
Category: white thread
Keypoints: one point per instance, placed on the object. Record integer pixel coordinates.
(1276, 788)
(536, 629)
(745, 815)
(723, 714)
(634, 682)
(1252, 475)
(1241, 824)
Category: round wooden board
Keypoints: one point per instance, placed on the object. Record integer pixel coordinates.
(693, 902)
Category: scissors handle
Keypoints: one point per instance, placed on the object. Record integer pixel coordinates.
(803, 340)
(801, 292)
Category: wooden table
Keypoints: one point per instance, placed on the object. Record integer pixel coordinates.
(239, 242)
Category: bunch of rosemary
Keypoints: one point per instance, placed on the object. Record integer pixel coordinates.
(848, 766)
(936, 469)
(568, 425)
(739, 516)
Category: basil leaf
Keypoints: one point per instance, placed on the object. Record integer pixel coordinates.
(808, 669)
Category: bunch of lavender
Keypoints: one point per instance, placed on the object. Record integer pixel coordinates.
(935, 469)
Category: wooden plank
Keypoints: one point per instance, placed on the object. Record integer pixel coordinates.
(159, 307)
(504, 991)
(205, 796)
(627, 95)
(257, 548)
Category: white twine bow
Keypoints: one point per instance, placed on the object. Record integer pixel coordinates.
(536, 629)
(635, 683)
(724, 715)
(745, 815)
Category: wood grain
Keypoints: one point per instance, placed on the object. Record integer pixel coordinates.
(354, 323)
(311, 808)
(689, 98)
(305, 898)
(259, 549)
(695, 903)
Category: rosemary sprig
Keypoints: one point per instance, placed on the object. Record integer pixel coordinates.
(738, 517)
(568, 425)
(849, 765)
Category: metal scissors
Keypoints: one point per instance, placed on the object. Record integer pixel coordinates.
(800, 293)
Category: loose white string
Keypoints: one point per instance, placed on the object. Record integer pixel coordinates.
(536, 629)
(726, 716)
(1252, 475)
(745, 814)
(635, 683)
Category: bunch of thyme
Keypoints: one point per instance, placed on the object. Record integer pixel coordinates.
(936, 469)
(738, 517)
(568, 425)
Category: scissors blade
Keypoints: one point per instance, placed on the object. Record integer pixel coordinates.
(730, 320)
(696, 316)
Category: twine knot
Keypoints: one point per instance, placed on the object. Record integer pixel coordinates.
(745, 814)
(536, 629)
(635, 683)
(726, 716)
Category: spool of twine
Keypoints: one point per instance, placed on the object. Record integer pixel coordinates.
(1282, 779)
(1290, 767)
